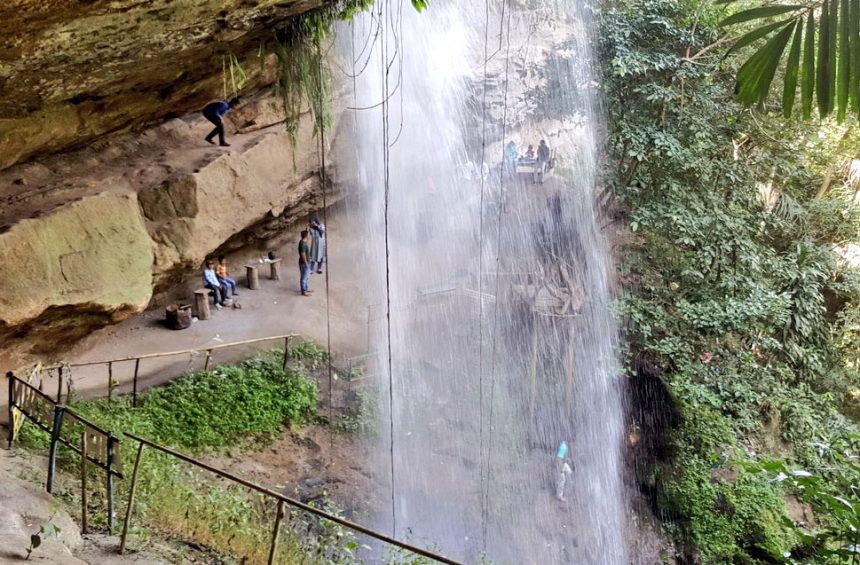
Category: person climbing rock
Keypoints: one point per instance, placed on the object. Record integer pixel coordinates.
(210, 281)
(317, 235)
(542, 161)
(223, 275)
(214, 112)
(304, 264)
(562, 470)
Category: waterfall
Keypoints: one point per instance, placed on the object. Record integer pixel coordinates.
(502, 343)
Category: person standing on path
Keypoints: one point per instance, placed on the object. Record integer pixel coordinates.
(214, 112)
(318, 246)
(304, 264)
(542, 161)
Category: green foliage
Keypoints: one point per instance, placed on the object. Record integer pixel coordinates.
(830, 62)
(46, 531)
(233, 75)
(725, 515)
(212, 409)
(735, 288)
(363, 418)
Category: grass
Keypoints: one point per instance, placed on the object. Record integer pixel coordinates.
(202, 412)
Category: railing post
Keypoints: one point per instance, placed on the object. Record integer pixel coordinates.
(286, 351)
(84, 481)
(208, 358)
(273, 550)
(10, 376)
(55, 438)
(130, 506)
(109, 469)
(134, 383)
(60, 385)
(110, 380)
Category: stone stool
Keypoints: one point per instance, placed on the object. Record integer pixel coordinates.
(253, 277)
(275, 267)
(201, 302)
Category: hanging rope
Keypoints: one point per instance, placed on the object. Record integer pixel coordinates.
(386, 179)
(486, 494)
(324, 185)
(481, 272)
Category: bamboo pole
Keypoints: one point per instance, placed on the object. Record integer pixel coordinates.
(273, 550)
(179, 352)
(109, 481)
(128, 509)
(60, 384)
(84, 482)
(295, 503)
(208, 358)
(134, 383)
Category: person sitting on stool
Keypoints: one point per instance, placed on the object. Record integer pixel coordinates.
(214, 112)
(223, 275)
(210, 281)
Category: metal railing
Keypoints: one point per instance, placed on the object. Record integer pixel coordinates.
(282, 501)
(97, 446)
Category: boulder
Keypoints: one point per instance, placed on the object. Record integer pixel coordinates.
(94, 253)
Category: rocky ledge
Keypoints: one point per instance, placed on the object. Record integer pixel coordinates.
(89, 237)
(71, 72)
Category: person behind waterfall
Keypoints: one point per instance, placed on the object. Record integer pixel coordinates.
(304, 264)
(511, 155)
(214, 112)
(542, 161)
(224, 275)
(529, 156)
(210, 281)
(562, 471)
(318, 250)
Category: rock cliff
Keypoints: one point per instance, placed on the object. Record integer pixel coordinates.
(95, 233)
(108, 193)
(71, 72)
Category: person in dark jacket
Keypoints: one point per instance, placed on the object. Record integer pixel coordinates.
(214, 112)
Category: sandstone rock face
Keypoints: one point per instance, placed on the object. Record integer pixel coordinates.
(71, 72)
(94, 252)
(192, 214)
(106, 228)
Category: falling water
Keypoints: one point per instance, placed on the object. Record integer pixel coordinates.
(501, 338)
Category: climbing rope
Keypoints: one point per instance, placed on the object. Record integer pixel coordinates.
(480, 262)
(481, 272)
(486, 494)
(323, 184)
(386, 182)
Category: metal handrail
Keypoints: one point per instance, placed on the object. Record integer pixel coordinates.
(276, 495)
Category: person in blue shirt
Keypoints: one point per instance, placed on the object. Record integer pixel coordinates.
(210, 281)
(511, 155)
(214, 112)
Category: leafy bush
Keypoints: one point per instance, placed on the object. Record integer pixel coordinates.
(212, 409)
(736, 289)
